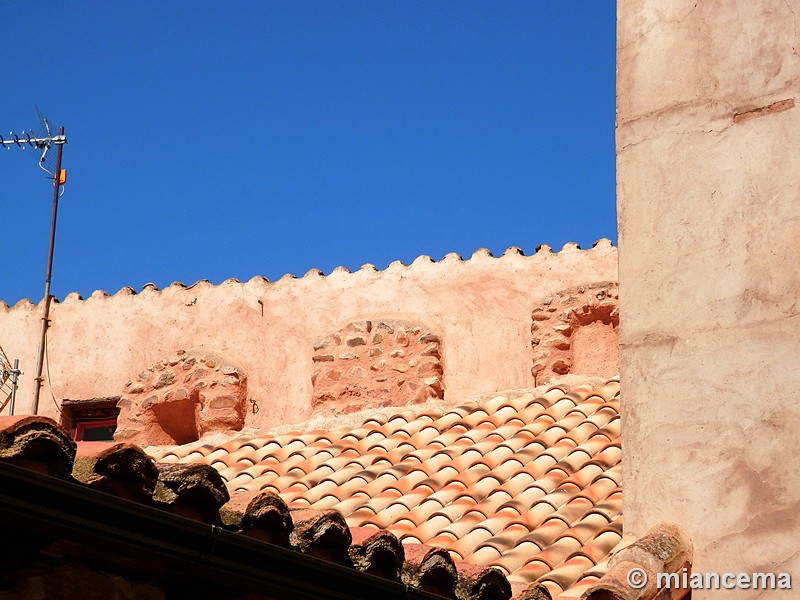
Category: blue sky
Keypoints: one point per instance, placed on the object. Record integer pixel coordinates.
(210, 140)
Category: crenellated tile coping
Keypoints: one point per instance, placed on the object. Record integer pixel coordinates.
(480, 256)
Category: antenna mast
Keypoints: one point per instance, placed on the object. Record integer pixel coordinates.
(59, 179)
(8, 372)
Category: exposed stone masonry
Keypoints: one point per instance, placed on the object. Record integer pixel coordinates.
(181, 398)
(576, 331)
(376, 363)
(480, 306)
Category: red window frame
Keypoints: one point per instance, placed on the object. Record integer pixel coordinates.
(82, 426)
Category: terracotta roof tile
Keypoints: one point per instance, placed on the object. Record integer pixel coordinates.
(259, 515)
(569, 571)
(430, 569)
(322, 534)
(378, 553)
(527, 484)
(598, 547)
(193, 491)
(532, 570)
(37, 443)
(522, 482)
(123, 470)
(534, 591)
(517, 488)
(476, 582)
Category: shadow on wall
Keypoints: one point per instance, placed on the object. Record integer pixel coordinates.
(369, 364)
(181, 398)
(576, 331)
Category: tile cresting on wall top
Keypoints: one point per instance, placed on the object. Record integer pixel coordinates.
(543, 252)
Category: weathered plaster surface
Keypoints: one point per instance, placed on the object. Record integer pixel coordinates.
(480, 307)
(709, 229)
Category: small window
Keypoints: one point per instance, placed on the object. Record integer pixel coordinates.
(91, 420)
(95, 431)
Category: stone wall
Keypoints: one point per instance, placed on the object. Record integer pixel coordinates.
(376, 363)
(576, 331)
(480, 308)
(181, 398)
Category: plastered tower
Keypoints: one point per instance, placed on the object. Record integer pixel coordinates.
(708, 134)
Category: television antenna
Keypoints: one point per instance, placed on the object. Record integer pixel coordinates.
(59, 177)
(8, 382)
(30, 139)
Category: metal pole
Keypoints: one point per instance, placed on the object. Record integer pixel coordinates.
(46, 318)
(14, 374)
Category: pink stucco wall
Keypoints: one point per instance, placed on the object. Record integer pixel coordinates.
(480, 307)
(709, 232)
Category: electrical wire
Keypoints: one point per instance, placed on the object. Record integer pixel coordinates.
(47, 370)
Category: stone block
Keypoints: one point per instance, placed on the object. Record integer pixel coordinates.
(180, 409)
(368, 377)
